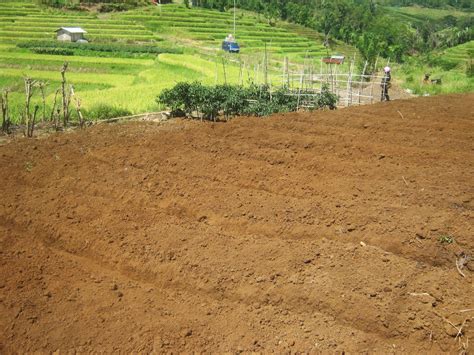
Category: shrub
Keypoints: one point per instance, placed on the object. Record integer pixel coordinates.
(177, 98)
(326, 99)
(229, 100)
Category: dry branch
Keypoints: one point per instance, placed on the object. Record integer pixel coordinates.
(404, 180)
(462, 261)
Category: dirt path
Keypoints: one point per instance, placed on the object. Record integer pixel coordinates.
(303, 232)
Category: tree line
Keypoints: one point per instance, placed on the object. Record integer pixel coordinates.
(364, 23)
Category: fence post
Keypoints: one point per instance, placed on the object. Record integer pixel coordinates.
(265, 66)
(225, 74)
(362, 78)
(217, 73)
(241, 73)
(299, 91)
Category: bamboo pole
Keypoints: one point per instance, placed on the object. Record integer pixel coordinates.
(321, 73)
(225, 74)
(362, 79)
(350, 81)
(372, 88)
(65, 96)
(217, 73)
(265, 66)
(376, 62)
(299, 91)
(241, 73)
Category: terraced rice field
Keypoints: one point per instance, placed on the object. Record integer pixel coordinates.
(25, 21)
(133, 83)
(414, 14)
(459, 54)
(128, 83)
(209, 28)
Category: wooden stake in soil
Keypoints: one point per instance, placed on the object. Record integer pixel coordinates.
(241, 73)
(299, 90)
(375, 65)
(31, 123)
(321, 74)
(225, 74)
(362, 80)
(286, 74)
(29, 87)
(66, 99)
(42, 86)
(351, 70)
(53, 110)
(78, 108)
(5, 113)
(265, 66)
(217, 73)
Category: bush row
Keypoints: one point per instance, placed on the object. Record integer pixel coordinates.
(54, 51)
(103, 5)
(256, 100)
(97, 47)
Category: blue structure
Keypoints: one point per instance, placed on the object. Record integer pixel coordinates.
(231, 47)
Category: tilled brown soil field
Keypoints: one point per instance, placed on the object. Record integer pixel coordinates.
(325, 231)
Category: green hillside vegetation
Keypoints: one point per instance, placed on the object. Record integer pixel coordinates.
(120, 67)
(208, 28)
(133, 55)
(453, 66)
(457, 57)
(416, 14)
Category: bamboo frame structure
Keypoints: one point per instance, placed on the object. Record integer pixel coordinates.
(350, 87)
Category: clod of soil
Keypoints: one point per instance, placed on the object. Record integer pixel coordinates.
(289, 233)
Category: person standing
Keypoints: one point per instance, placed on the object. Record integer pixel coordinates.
(386, 84)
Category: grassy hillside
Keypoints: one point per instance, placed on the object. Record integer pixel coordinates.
(457, 56)
(416, 14)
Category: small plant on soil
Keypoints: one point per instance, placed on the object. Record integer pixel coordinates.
(446, 239)
(29, 166)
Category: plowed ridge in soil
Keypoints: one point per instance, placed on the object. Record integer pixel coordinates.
(324, 231)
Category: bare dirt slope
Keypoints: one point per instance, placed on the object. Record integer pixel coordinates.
(243, 236)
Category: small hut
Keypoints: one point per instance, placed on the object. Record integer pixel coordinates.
(70, 34)
(334, 59)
